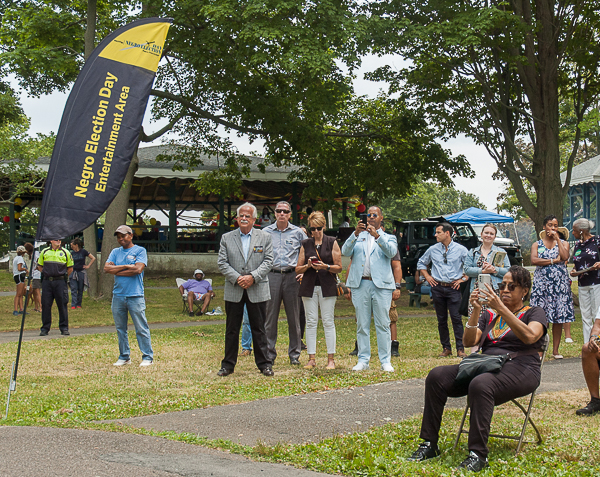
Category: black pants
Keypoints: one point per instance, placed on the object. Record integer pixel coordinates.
(485, 391)
(56, 290)
(302, 319)
(233, 323)
(447, 299)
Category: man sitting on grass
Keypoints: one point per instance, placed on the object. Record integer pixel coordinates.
(590, 362)
(199, 290)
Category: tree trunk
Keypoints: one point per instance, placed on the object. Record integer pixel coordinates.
(116, 215)
(90, 30)
(89, 240)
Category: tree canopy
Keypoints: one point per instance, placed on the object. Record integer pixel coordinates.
(494, 71)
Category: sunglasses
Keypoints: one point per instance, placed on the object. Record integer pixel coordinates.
(282, 211)
(318, 229)
(508, 286)
(372, 215)
(445, 258)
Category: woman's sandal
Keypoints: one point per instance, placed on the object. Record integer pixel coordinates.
(557, 356)
(330, 366)
(310, 366)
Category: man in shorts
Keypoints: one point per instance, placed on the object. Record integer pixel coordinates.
(198, 290)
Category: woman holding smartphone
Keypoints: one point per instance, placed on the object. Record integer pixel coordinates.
(320, 260)
(551, 283)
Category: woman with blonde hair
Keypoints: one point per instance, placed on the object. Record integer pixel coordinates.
(320, 260)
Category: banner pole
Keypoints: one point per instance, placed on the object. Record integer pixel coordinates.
(15, 367)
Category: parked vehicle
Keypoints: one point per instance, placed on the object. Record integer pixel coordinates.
(513, 250)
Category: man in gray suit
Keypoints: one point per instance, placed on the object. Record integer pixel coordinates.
(246, 258)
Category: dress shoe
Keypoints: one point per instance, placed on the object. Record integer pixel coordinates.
(592, 408)
(224, 372)
(461, 353)
(474, 463)
(444, 354)
(65, 333)
(426, 450)
(246, 352)
(191, 314)
(302, 346)
(354, 352)
(395, 352)
(267, 371)
(294, 362)
(199, 313)
(43, 333)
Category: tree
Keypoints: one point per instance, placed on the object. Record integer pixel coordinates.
(495, 71)
(428, 199)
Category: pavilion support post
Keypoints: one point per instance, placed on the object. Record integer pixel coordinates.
(586, 201)
(295, 203)
(344, 209)
(221, 221)
(571, 199)
(172, 217)
(597, 222)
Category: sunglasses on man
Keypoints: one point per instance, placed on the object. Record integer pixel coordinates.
(282, 211)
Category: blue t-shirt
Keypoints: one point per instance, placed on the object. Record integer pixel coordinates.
(134, 285)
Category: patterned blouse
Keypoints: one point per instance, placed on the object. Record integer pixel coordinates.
(585, 254)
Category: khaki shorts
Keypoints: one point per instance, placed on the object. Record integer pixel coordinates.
(36, 283)
(393, 313)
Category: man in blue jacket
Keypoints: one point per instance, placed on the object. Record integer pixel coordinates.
(372, 283)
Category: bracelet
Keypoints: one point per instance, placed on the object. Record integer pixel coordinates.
(469, 326)
(551, 261)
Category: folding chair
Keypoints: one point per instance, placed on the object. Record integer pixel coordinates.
(526, 412)
(197, 303)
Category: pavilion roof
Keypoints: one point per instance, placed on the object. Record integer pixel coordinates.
(588, 171)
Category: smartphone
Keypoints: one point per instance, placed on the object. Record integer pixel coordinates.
(314, 260)
(363, 218)
(482, 279)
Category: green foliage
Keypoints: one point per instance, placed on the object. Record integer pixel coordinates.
(428, 199)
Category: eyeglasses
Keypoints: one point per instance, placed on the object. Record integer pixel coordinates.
(245, 216)
(508, 286)
(312, 229)
(372, 215)
(282, 211)
(445, 255)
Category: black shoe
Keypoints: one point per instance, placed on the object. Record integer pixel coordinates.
(224, 372)
(592, 408)
(43, 333)
(294, 362)
(65, 332)
(267, 371)
(190, 314)
(199, 313)
(426, 450)
(355, 351)
(302, 346)
(474, 463)
(395, 345)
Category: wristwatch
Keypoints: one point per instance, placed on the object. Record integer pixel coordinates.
(398, 286)
(328, 267)
(464, 279)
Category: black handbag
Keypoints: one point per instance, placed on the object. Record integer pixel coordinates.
(465, 289)
(478, 363)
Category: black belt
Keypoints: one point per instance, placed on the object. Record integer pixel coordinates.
(289, 270)
(51, 279)
(366, 278)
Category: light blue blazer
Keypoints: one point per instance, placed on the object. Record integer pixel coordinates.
(472, 270)
(384, 249)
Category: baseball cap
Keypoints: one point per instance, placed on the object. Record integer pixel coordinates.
(20, 248)
(123, 229)
(197, 271)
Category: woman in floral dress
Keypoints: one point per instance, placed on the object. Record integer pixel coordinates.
(551, 283)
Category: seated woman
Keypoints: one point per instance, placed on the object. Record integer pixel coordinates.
(518, 329)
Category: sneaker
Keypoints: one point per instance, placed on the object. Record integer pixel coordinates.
(361, 366)
(592, 408)
(17, 313)
(191, 314)
(43, 333)
(122, 362)
(246, 352)
(146, 362)
(65, 333)
(78, 306)
(73, 308)
(426, 450)
(387, 367)
(474, 463)
(568, 340)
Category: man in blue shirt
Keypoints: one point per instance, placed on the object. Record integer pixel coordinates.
(287, 240)
(127, 264)
(447, 260)
(199, 290)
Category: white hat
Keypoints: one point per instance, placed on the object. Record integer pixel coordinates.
(21, 248)
(123, 229)
(198, 271)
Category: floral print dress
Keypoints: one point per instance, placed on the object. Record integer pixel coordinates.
(552, 287)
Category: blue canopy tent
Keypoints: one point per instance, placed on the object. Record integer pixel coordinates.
(473, 215)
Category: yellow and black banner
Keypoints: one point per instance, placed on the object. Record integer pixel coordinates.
(100, 128)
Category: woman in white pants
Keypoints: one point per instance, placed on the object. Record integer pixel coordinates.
(320, 260)
(586, 256)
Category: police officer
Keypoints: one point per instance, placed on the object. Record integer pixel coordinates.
(56, 264)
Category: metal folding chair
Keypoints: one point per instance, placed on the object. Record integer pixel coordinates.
(526, 412)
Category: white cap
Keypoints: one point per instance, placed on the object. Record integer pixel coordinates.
(123, 229)
(197, 271)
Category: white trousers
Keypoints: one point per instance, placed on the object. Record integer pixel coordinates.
(311, 309)
(589, 304)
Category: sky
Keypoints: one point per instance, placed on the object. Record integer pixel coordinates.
(45, 114)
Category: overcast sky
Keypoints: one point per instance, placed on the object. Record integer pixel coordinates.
(45, 114)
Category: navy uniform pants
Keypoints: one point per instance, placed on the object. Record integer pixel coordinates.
(55, 290)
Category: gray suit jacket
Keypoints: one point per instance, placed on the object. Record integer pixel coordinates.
(232, 264)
